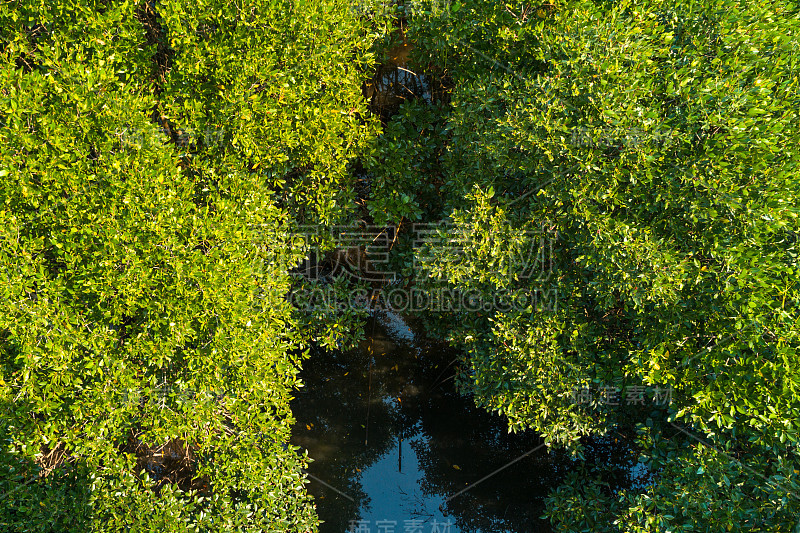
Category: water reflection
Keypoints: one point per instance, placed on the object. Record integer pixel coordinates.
(387, 430)
(399, 80)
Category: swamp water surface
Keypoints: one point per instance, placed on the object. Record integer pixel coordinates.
(394, 445)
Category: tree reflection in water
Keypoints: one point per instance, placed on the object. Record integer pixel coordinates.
(421, 444)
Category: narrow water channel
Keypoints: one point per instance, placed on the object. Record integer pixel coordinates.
(396, 449)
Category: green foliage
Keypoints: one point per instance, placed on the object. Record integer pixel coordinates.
(262, 81)
(659, 141)
(156, 160)
(475, 38)
(153, 167)
(400, 188)
(703, 486)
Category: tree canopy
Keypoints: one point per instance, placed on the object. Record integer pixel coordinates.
(155, 159)
(626, 170)
(658, 144)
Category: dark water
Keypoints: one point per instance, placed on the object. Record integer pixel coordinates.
(399, 81)
(395, 446)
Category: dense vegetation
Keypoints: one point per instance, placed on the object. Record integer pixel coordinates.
(153, 165)
(159, 161)
(658, 141)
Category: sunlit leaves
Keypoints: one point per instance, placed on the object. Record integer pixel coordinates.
(153, 165)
